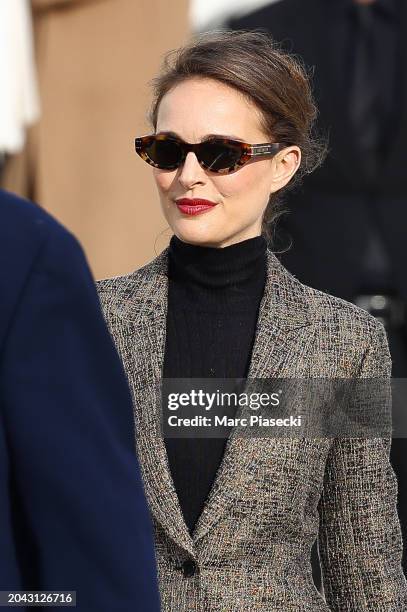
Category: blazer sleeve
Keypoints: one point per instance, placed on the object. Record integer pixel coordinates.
(360, 541)
(81, 516)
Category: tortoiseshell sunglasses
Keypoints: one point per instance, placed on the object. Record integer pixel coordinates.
(221, 155)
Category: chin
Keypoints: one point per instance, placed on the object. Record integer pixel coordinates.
(196, 235)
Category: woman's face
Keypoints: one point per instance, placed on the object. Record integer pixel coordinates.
(192, 110)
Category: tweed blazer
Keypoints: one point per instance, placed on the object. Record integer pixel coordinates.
(271, 498)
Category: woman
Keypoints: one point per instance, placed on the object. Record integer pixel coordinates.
(234, 523)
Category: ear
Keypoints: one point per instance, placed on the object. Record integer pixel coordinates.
(284, 165)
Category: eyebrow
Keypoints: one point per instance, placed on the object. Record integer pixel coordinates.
(206, 137)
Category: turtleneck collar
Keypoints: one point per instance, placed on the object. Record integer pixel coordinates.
(231, 276)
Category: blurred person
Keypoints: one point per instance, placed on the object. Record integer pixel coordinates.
(348, 224)
(73, 516)
(232, 124)
(19, 104)
(94, 58)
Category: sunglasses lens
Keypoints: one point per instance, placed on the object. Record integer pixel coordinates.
(219, 155)
(165, 153)
(168, 153)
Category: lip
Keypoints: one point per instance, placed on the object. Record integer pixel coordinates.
(194, 206)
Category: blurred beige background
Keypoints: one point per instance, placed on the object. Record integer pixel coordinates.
(94, 61)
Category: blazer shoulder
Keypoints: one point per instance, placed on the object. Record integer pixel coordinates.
(127, 292)
(110, 289)
(23, 217)
(341, 317)
(348, 340)
(26, 228)
(32, 240)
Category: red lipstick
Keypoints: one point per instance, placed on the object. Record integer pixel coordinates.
(194, 206)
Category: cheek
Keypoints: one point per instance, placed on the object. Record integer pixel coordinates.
(250, 179)
(163, 179)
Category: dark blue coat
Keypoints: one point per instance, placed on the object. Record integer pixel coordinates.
(72, 509)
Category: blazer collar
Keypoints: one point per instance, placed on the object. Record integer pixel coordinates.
(282, 337)
(144, 296)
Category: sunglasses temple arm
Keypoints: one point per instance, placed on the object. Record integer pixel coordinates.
(266, 149)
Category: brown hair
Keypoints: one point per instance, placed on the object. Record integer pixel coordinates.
(275, 81)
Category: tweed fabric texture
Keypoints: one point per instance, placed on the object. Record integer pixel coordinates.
(271, 497)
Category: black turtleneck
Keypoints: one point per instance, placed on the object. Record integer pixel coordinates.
(213, 299)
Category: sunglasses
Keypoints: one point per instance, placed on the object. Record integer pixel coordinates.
(221, 155)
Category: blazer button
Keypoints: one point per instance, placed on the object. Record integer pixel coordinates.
(189, 568)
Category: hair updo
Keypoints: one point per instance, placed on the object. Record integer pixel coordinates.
(277, 82)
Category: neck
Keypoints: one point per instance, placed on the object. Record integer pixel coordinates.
(232, 275)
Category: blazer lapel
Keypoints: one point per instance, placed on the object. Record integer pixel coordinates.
(282, 337)
(141, 342)
(283, 334)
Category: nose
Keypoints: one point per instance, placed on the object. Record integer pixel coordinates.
(191, 171)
